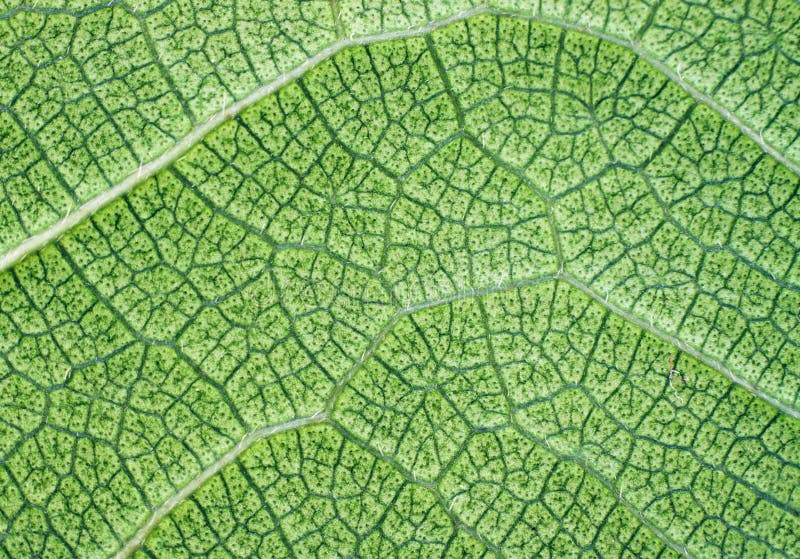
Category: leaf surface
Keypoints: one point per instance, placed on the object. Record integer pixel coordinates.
(469, 283)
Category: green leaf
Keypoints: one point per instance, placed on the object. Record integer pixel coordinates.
(415, 280)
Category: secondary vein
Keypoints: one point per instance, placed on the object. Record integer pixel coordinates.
(153, 167)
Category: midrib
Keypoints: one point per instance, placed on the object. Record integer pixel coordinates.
(323, 416)
(153, 167)
(195, 483)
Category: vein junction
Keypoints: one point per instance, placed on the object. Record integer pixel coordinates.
(459, 312)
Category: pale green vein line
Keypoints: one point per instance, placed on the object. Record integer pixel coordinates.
(410, 309)
(145, 171)
(709, 361)
(478, 292)
(660, 534)
(434, 490)
(162, 511)
(322, 416)
(673, 76)
(158, 514)
(148, 170)
(714, 364)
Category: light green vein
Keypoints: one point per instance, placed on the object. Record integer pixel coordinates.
(712, 363)
(153, 167)
(320, 416)
(246, 442)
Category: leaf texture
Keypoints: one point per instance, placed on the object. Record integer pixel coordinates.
(507, 284)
